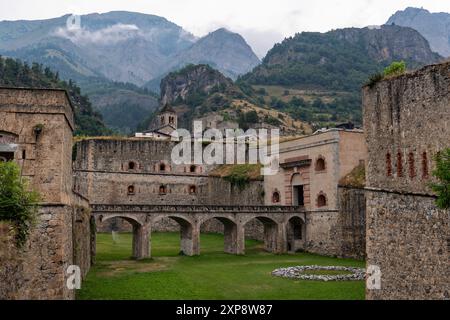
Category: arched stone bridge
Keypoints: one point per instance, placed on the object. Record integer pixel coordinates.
(284, 226)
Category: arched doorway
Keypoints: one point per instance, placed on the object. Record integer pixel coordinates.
(298, 190)
(295, 234)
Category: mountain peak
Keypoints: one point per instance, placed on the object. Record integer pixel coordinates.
(433, 26)
(223, 30)
(222, 49)
(414, 9)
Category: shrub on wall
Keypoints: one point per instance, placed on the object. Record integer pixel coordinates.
(442, 173)
(17, 204)
(395, 69)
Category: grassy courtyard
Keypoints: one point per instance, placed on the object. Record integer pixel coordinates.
(212, 275)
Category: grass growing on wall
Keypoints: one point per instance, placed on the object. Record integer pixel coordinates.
(356, 178)
(238, 175)
(212, 275)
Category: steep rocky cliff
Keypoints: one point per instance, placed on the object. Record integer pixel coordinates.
(192, 80)
(203, 93)
(435, 27)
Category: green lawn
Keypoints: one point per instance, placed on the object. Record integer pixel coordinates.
(212, 275)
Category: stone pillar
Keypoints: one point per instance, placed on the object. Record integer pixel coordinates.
(270, 237)
(281, 239)
(148, 227)
(240, 239)
(140, 242)
(93, 239)
(190, 238)
(234, 238)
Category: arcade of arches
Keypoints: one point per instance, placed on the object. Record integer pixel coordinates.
(283, 230)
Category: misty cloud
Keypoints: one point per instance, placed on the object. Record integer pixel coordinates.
(109, 35)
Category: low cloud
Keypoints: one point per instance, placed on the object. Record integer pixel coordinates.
(109, 35)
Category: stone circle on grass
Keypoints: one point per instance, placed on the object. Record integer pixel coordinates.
(301, 273)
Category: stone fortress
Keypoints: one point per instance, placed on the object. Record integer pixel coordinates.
(307, 206)
(139, 171)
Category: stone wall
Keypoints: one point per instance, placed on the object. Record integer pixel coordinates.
(60, 238)
(352, 222)
(222, 192)
(136, 172)
(406, 121)
(11, 263)
(37, 271)
(83, 235)
(60, 234)
(322, 233)
(408, 238)
(338, 233)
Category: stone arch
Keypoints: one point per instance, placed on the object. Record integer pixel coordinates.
(8, 145)
(192, 189)
(322, 200)
(298, 189)
(295, 233)
(129, 218)
(276, 196)
(320, 164)
(271, 232)
(140, 242)
(8, 137)
(296, 178)
(232, 243)
(132, 165)
(163, 166)
(189, 233)
(162, 189)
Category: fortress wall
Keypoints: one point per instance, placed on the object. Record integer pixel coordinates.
(352, 222)
(103, 174)
(407, 121)
(38, 269)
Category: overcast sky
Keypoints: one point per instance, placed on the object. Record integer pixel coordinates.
(261, 22)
